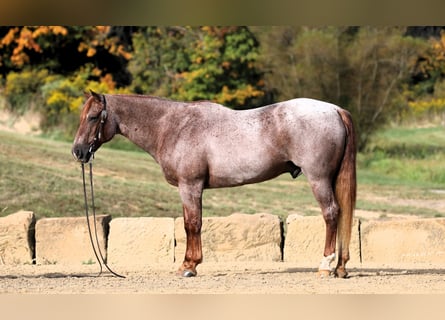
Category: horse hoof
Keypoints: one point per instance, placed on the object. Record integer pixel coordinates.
(324, 273)
(341, 273)
(188, 274)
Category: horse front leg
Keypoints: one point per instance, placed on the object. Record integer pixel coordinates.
(191, 196)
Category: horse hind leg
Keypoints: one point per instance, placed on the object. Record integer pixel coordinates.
(324, 195)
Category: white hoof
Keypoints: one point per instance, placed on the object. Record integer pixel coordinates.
(325, 264)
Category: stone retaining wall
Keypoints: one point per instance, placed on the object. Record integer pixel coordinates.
(238, 237)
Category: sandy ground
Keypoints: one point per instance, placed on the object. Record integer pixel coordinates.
(229, 278)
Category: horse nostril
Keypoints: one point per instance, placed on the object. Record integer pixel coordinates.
(77, 152)
(82, 153)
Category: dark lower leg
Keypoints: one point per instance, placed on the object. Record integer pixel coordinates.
(329, 249)
(343, 257)
(192, 209)
(191, 195)
(323, 192)
(193, 253)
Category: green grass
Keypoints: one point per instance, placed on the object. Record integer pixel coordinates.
(414, 156)
(404, 163)
(411, 142)
(40, 175)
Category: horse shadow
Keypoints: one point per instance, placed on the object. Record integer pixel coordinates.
(367, 272)
(56, 275)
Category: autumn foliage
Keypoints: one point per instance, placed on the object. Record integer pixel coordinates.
(380, 74)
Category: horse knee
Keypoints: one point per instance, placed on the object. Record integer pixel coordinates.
(330, 215)
(193, 225)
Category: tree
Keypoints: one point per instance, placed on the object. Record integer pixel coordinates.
(426, 93)
(198, 63)
(380, 61)
(159, 57)
(361, 69)
(48, 68)
(223, 68)
(64, 50)
(277, 60)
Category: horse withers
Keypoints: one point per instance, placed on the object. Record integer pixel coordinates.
(206, 145)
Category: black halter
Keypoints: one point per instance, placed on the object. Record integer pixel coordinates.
(98, 252)
(103, 117)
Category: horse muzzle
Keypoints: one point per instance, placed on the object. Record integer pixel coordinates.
(82, 153)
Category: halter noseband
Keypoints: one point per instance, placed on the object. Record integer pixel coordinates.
(103, 117)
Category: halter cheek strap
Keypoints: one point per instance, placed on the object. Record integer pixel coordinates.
(103, 117)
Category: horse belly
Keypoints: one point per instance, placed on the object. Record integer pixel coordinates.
(235, 169)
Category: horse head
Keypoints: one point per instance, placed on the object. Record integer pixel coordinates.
(96, 127)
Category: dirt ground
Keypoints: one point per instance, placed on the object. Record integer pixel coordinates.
(229, 278)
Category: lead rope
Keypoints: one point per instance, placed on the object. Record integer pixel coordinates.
(102, 259)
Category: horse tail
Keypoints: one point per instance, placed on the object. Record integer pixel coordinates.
(346, 188)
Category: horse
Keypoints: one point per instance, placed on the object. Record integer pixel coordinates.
(203, 144)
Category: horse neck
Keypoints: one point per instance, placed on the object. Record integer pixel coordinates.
(139, 119)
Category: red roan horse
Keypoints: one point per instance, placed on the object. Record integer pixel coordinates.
(206, 145)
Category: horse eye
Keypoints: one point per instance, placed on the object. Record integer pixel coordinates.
(93, 118)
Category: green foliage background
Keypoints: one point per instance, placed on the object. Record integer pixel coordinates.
(380, 74)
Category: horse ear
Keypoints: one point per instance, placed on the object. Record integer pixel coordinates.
(96, 96)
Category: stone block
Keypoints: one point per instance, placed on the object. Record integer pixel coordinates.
(398, 242)
(238, 237)
(17, 238)
(66, 240)
(141, 241)
(305, 240)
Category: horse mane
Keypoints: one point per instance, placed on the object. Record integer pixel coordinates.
(144, 96)
(164, 99)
